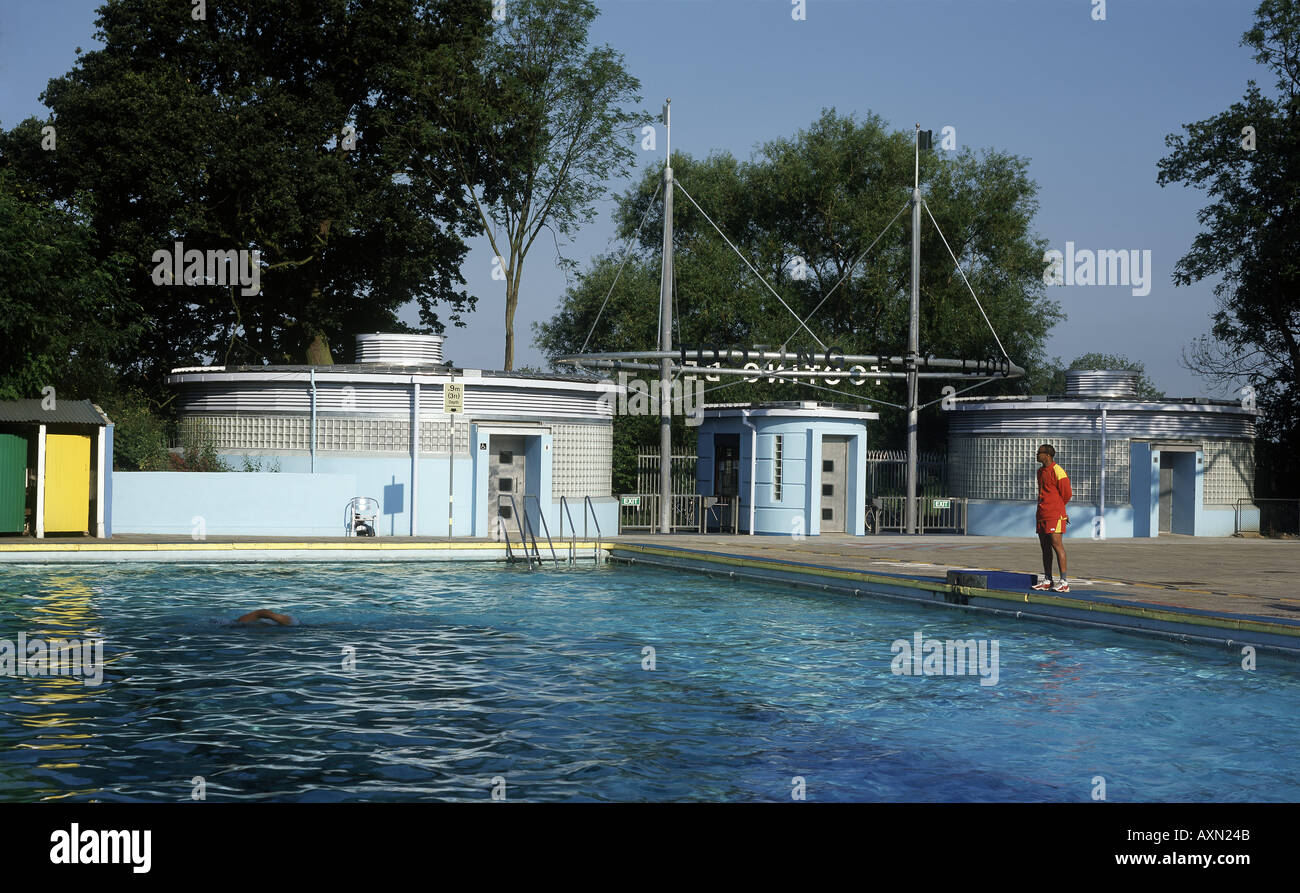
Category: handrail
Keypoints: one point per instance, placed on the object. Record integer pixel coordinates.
(587, 503)
(546, 528)
(564, 511)
(523, 539)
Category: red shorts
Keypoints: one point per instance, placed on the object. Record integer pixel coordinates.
(1048, 525)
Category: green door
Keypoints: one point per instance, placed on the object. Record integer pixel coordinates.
(13, 482)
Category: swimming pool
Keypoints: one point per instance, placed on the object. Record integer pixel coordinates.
(472, 678)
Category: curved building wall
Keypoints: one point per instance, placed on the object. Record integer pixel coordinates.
(363, 428)
(1207, 448)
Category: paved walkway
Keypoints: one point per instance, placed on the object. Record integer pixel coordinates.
(1231, 575)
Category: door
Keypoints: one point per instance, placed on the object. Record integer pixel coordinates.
(507, 464)
(13, 483)
(726, 480)
(67, 483)
(1166, 492)
(835, 452)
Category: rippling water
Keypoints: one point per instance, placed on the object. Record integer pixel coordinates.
(469, 673)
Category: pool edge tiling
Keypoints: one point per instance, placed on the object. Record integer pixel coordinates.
(1096, 608)
(294, 550)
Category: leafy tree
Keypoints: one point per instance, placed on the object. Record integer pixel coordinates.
(233, 133)
(1247, 159)
(554, 130)
(63, 311)
(820, 199)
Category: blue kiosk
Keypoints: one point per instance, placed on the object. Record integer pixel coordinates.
(795, 469)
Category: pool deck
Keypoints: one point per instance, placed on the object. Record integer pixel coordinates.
(1230, 591)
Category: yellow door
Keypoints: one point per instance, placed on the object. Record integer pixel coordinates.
(67, 483)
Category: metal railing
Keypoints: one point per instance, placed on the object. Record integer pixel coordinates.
(527, 533)
(587, 506)
(945, 514)
(1276, 516)
(546, 530)
(691, 513)
(683, 472)
(887, 473)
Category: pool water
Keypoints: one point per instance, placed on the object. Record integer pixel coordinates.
(472, 679)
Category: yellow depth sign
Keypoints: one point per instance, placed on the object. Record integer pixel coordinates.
(453, 397)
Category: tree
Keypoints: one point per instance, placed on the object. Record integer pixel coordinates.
(814, 204)
(261, 128)
(555, 130)
(63, 311)
(1247, 159)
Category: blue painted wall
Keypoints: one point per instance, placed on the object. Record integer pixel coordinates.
(798, 511)
(1015, 517)
(231, 503)
(287, 502)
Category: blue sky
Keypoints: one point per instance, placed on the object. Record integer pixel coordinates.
(1088, 102)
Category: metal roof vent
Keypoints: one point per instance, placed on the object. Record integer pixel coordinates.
(1101, 383)
(400, 350)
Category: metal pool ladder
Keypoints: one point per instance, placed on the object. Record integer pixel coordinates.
(527, 534)
(573, 530)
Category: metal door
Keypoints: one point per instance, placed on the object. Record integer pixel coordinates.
(835, 451)
(1166, 492)
(507, 464)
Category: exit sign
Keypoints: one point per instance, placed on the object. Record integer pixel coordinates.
(453, 397)
(629, 500)
(942, 503)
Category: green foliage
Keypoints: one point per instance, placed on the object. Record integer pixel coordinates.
(226, 134)
(1251, 229)
(139, 435)
(198, 453)
(63, 311)
(251, 464)
(824, 196)
(554, 131)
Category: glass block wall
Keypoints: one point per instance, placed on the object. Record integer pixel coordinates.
(435, 435)
(1003, 467)
(582, 463)
(248, 432)
(1229, 471)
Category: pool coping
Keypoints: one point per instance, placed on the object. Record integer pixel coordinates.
(289, 551)
(1095, 608)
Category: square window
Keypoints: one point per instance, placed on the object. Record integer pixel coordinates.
(828, 465)
(828, 489)
(505, 511)
(507, 457)
(828, 515)
(506, 485)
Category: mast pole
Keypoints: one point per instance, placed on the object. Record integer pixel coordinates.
(913, 343)
(666, 340)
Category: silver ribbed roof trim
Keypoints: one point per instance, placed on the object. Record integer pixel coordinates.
(1101, 383)
(1157, 421)
(401, 350)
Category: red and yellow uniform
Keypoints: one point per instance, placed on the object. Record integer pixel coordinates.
(1053, 493)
